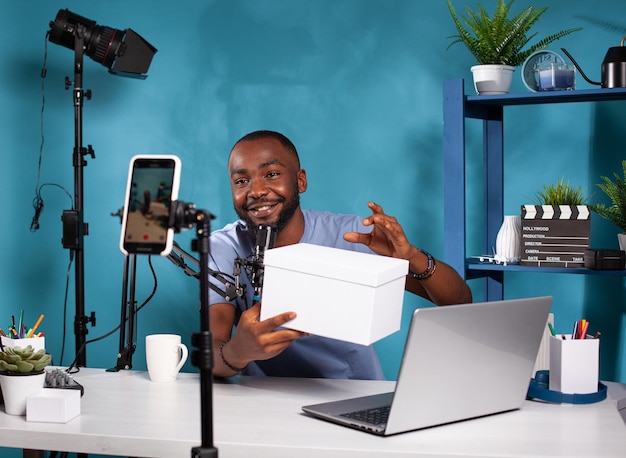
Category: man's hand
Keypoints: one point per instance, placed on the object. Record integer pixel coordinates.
(387, 237)
(259, 340)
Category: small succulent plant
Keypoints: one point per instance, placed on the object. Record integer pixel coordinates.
(20, 360)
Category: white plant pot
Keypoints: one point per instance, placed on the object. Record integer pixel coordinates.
(621, 239)
(492, 79)
(15, 389)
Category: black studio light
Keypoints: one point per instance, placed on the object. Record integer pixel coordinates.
(123, 52)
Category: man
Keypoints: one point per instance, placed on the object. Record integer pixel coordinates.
(266, 182)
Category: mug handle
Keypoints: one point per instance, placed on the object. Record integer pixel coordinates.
(185, 353)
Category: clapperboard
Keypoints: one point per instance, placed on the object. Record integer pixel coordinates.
(555, 235)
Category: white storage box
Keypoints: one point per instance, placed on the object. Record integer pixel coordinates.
(53, 405)
(341, 294)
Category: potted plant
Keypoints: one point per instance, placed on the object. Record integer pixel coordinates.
(556, 230)
(560, 193)
(616, 212)
(498, 42)
(21, 373)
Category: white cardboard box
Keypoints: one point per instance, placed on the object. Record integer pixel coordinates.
(341, 294)
(53, 405)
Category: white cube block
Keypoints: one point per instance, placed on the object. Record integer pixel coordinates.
(340, 294)
(53, 405)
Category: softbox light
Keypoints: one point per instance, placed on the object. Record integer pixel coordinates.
(124, 53)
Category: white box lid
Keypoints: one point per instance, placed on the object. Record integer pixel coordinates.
(352, 266)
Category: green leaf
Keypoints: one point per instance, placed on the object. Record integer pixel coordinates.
(24, 366)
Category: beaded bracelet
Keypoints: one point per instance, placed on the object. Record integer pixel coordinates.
(430, 269)
(226, 363)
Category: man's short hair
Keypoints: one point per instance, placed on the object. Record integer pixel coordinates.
(261, 134)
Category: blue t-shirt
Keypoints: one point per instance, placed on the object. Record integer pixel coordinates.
(310, 356)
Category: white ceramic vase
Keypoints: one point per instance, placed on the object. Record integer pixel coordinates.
(15, 389)
(492, 79)
(509, 238)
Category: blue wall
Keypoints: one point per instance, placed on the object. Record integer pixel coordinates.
(355, 84)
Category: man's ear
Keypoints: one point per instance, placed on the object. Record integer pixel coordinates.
(302, 183)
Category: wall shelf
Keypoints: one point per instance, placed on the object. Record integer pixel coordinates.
(457, 106)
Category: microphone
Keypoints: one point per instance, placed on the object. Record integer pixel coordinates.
(265, 240)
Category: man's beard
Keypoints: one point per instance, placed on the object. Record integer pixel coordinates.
(283, 217)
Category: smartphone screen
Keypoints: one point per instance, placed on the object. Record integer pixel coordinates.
(153, 182)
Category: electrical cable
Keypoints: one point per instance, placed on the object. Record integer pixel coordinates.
(38, 203)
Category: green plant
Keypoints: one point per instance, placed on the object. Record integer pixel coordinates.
(23, 360)
(500, 39)
(616, 191)
(560, 193)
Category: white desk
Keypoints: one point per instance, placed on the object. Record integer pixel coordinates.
(125, 414)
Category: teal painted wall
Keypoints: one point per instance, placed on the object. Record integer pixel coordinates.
(355, 84)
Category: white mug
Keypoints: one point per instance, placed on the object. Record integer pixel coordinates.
(165, 356)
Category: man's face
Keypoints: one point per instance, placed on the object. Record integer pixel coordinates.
(266, 182)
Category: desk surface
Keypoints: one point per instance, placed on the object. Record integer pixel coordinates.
(125, 414)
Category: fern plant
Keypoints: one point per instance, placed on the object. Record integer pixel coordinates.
(560, 193)
(616, 191)
(500, 39)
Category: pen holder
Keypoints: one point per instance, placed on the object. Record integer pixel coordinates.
(37, 342)
(574, 364)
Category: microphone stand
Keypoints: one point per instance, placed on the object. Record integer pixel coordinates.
(74, 227)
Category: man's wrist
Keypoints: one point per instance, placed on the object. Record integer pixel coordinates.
(225, 361)
(430, 267)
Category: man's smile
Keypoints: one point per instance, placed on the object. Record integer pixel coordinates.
(262, 209)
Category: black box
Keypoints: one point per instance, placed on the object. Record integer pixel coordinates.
(605, 259)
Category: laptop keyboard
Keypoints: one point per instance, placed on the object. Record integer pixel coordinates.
(374, 416)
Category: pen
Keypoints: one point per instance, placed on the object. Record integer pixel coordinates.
(3, 333)
(551, 329)
(20, 328)
(575, 331)
(32, 331)
(583, 333)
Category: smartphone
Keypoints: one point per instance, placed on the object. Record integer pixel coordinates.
(153, 182)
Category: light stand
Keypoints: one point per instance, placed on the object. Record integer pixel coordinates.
(74, 227)
(124, 53)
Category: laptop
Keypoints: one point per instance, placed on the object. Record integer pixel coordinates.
(460, 362)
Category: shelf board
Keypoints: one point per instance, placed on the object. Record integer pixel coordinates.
(475, 265)
(532, 98)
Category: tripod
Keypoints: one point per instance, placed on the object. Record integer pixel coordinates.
(185, 215)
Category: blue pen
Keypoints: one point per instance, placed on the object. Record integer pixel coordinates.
(575, 331)
(19, 328)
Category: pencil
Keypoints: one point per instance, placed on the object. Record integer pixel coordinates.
(32, 331)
